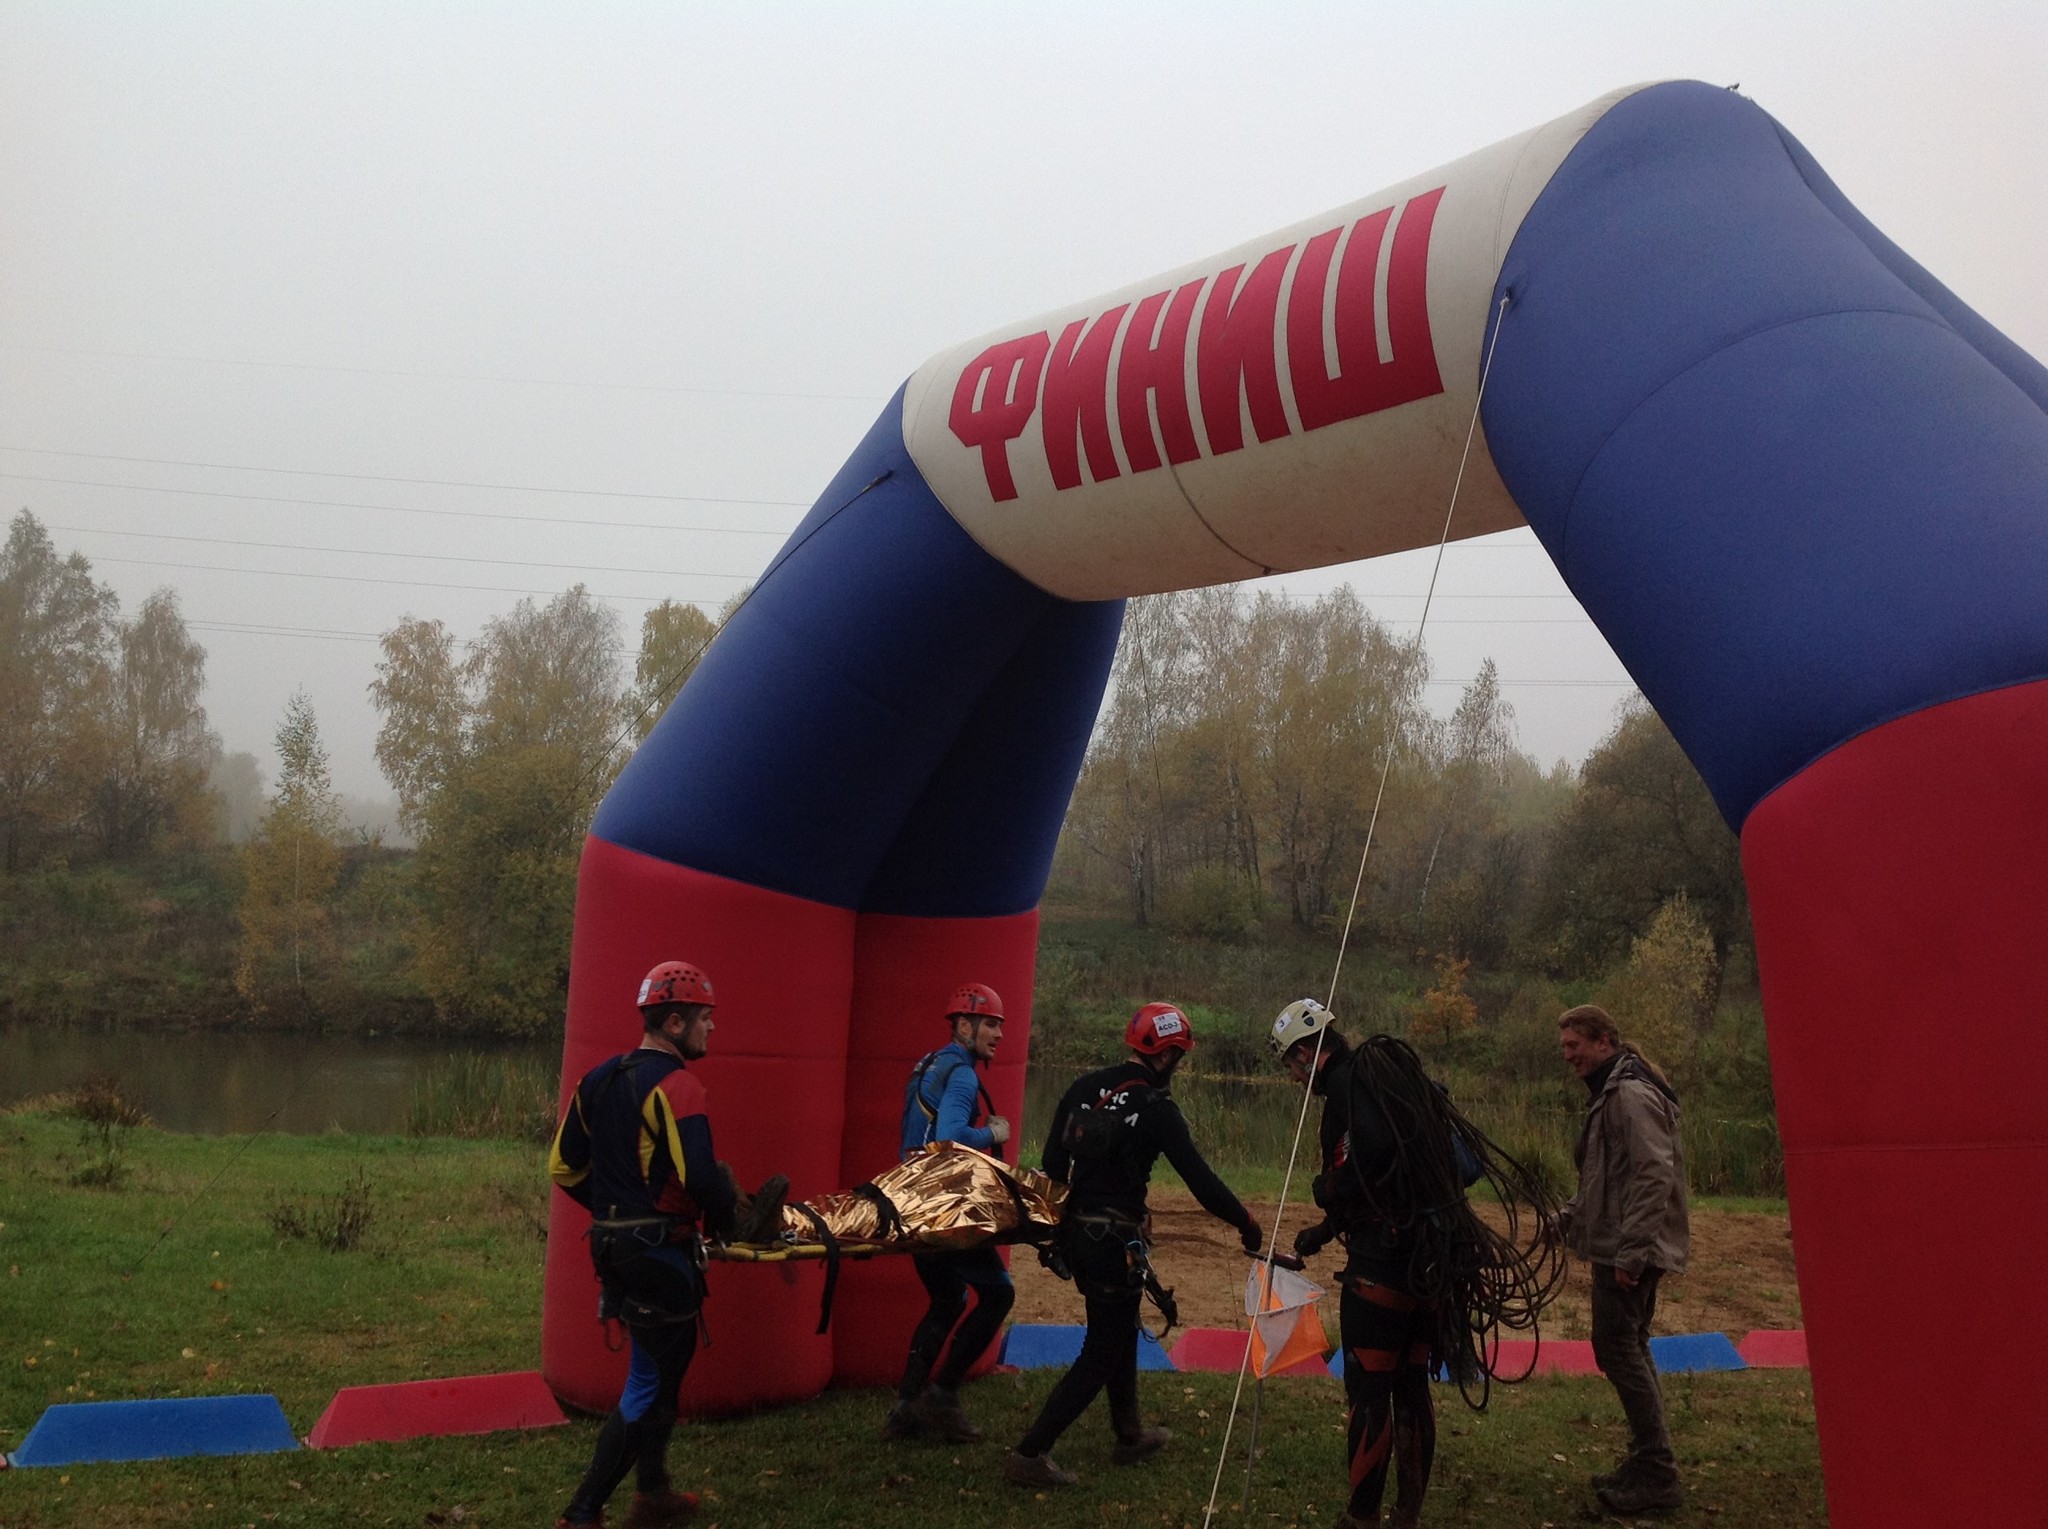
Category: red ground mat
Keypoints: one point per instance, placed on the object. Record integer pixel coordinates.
(1764, 1350)
(1222, 1348)
(1557, 1356)
(424, 1408)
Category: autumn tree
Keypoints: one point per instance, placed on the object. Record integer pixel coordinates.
(1238, 751)
(289, 871)
(56, 625)
(421, 693)
(1664, 994)
(153, 749)
(1641, 830)
(674, 636)
(499, 758)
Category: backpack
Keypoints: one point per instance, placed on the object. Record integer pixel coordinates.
(1099, 1130)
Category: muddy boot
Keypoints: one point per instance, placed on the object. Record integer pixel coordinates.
(941, 1413)
(902, 1423)
(763, 1219)
(1613, 1478)
(1036, 1471)
(1635, 1494)
(1142, 1445)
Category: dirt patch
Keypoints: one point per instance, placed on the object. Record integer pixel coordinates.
(1740, 1276)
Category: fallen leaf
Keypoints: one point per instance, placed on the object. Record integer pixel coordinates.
(186, 1353)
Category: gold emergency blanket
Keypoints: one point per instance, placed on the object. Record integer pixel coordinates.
(947, 1197)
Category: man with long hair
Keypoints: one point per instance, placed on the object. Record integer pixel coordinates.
(1628, 1221)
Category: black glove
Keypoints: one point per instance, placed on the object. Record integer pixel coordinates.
(1250, 1234)
(1311, 1240)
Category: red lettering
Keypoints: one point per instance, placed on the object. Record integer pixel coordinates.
(994, 400)
(1159, 369)
(1363, 384)
(1077, 401)
(1234, 355)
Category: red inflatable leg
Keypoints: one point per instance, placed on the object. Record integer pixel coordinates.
(783, 971)
(903, 970)
(1900, 893)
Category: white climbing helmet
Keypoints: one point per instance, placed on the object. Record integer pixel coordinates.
(1301, 1020)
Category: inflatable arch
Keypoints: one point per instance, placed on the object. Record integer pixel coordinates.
(1801, 488)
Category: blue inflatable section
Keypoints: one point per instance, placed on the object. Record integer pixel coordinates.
(1702, 283)
(892, 722)
(1055, 1346)
(75, 1433)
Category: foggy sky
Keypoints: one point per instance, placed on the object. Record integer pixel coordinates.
(276, 279)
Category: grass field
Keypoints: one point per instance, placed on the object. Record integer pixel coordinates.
(98, 1301)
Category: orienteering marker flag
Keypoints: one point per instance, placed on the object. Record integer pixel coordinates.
(1286, 1330)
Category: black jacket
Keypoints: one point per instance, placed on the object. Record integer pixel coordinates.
(1120, 1183)
(1358, 1151)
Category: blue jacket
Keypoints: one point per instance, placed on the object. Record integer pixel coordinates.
(941, 1100)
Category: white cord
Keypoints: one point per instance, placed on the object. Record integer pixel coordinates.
(1344, 939)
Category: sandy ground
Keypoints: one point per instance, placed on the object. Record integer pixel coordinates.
(1740, 1275)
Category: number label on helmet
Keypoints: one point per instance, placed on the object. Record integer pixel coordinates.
(1167, 1024)
(645, 984)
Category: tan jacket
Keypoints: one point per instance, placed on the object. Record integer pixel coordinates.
(1630, 1208)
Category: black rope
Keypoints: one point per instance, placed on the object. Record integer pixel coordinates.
(1480, 1281)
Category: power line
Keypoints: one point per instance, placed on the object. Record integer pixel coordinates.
(385, 371)
(428, 557)
(314, 472)
(351, 578)
(331, 634)
(406, 509)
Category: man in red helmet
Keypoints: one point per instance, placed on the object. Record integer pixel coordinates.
(942, 1102)
(634, 1149)
(1109, 1129)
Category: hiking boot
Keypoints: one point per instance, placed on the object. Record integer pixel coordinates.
(940, 1412)
(1636, 1494)
(1613, 1478)
(1142, 1445)
(659, 1510)
(902, 1423)
(765, 1222)
(1036, 1471)
(566, 1522)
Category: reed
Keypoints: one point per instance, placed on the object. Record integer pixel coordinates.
(485, 1094)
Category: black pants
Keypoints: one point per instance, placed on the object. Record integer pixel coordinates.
(1101, 1260)
(635, 1435)
(1387, 1336)
(1621, 1347)
(947, 1278)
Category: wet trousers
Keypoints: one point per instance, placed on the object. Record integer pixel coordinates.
(1621, 1347)
(1392, 1416)
(635, 1435)
(947, 1277)
(1101, 1261)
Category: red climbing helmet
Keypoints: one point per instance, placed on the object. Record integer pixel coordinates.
(674, 982)
(974, 1000)
(1157, 1029)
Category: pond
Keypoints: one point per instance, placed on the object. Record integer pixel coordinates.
(235, 1082)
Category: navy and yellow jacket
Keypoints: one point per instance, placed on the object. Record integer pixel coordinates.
(635, 1141)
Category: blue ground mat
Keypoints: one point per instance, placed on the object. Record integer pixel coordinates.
(1684, 1353)
(75, 1433)
(1044, 1346)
